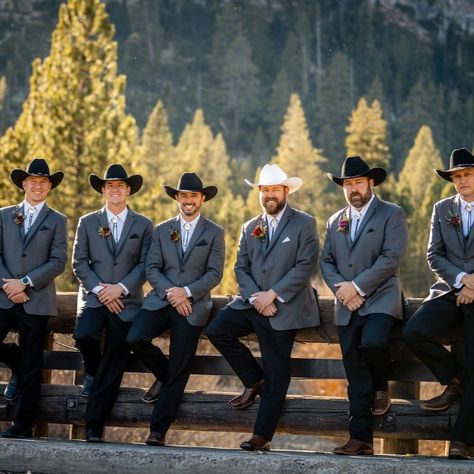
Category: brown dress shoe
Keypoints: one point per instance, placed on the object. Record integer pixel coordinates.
(458, 450)
(381, 403)
(256, 443)
(451, 394)
(155, 439)
(151, 395)
(247, 397)
(355, 447)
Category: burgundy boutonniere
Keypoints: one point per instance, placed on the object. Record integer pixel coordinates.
(174, 235)
(19, 216)
(343, 224)
(104, 231)
(454, 219)
(259, 231)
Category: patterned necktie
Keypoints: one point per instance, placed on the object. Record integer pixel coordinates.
(273, 226)
(469, 219)
(30, 219)
(356, 217)
(187, 228)
(115, 228)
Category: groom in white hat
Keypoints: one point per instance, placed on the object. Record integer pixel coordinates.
(277, 255)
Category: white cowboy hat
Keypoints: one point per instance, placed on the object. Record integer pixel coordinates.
(273, 175)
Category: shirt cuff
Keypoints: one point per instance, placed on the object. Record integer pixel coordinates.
(188, 292)
(125, 289)
(457, 281)
(96, 289)
(252, 299)
(361, 293)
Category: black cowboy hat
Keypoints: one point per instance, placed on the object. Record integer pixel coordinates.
(460, 158)
(355, 167)
(191, 182)
(37, 167)
(116, 172)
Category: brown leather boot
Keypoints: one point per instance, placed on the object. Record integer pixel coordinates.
(256, 443)
(247, 397)
(381, 403)
(451, 394)
(458, 450)
(151, 395)
(355, 447)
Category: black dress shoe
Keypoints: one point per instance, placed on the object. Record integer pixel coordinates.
(10, 392)
(155, 439)
(16, 431)
(247, 397)
(452, 393)
(256, 443)
(151, 395)
(87, 385)
(458, 450)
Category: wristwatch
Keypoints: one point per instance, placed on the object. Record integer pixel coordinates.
(26, 281)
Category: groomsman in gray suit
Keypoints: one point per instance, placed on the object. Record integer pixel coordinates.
(364, 246)
(186, 260)
(109, 256)
(33, 251)
(276, 258)
(450, 302)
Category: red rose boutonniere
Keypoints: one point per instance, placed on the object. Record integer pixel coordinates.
(174, 235)
(454, 219)
(259, 231)
(19, 216)
(104, 231)
(343, 224)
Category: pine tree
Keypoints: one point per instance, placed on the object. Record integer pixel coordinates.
(367, 134)
(156, 162)
(297, 156)
(75, 114)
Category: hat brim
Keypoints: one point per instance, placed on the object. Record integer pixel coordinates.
(377, 174)
(447, 174)
(209, 191)
(135, 182)
(18, 176)
(293, 184)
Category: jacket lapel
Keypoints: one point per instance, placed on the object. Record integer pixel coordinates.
(347, 234)
(369, 214)
(19, 209)
(127, 226)
(198, 231)
(175, 225)
(103, 221)
(285, 218)
(36, 225)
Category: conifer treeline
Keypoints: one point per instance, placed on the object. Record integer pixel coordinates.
(75, 117)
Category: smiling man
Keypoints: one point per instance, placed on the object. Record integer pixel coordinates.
(33, 251)
(450, 302)
(109, 261)
(364, 246)
(275, 262)
(186, 260)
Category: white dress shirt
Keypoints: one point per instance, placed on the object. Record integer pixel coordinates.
(187, 230)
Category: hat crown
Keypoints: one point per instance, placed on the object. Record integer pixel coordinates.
(354, 166)
(117, 172)
(38, 167)
(189, 182)
(271, 175)
(460, 157)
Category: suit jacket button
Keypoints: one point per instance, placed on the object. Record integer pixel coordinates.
(264, 271)
(350, 265)
(466, 261)
(115, 263)
(24, 255)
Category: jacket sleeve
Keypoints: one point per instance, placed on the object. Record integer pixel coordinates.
(43, 274)
(4, 272)
(136, 278)
(328, 263)
(300, 274)
(243, 273)
(214, 269)
(154, 267)
(81, 258)
(390, 258)
(436, 254)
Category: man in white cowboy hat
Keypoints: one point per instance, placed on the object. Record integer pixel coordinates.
(364, 246)
(33, 251)
(276, 258)
(108, 259)
(450, 302)
(186, 260)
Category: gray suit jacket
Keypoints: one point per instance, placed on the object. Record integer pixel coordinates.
(42, 255)
(96, 259)
(448, 253)
(286, 265)
(371, 261)
(200, 268)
